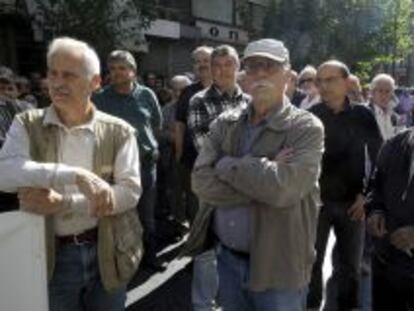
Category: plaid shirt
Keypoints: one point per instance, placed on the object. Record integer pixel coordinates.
(206, 106)
(8, 109)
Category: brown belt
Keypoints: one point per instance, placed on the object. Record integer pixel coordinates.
(89, 236)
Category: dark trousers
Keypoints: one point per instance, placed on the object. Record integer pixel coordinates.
(343, 286)
(187, 203)
(391, 289)
(146, 206)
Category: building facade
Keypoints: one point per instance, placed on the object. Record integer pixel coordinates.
(164, 48)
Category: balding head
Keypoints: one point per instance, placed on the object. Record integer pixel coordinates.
(333, 84)
(355, 89)
(382, 90)
(178, 83)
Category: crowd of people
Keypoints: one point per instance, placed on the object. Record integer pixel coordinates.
(255, 162)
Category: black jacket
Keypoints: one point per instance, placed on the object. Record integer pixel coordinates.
(392, 194)
(352, 141)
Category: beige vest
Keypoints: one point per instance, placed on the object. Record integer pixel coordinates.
(119, 236)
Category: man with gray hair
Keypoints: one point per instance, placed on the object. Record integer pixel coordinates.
(185, 152)
(167, 164)
(138, 105)
(257, 180)
(382, 105)
(224, 94)
(78, 167)
(307, 79)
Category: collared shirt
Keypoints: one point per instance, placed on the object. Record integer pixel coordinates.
(181, 115)
(308, 103)
(232, 224)
(75, 150)
(350, 136)
(207, 105)
(384, 120)
(141, 110)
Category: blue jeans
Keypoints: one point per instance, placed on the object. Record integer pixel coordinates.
(234, 294)
(205, 281)
(76, 284)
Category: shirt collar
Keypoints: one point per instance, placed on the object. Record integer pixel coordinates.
(379, 110)
(134, 89)
(52, 118)
(347, 106)
(216, 92)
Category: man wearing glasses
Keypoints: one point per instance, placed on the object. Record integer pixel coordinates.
(351, 144)
(256, 176)
(307, 78)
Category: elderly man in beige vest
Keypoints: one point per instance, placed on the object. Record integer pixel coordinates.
(78, 168)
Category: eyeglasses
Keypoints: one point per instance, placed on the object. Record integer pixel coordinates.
(266, 65)
(328, 81)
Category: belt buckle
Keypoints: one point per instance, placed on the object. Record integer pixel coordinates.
(76, 241)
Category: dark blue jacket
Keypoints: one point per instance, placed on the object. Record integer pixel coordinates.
(392, 194)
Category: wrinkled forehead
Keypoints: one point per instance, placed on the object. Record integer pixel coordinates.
(201, 56)
(67, 60)
(383, 85)
(329, 70)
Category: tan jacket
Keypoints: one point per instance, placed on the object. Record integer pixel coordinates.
(284, 196)
(119, 236)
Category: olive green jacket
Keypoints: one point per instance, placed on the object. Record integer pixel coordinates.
(284, 196)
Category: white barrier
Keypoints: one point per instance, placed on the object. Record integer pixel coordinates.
(23, 283)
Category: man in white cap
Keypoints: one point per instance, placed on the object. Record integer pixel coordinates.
(257, 180)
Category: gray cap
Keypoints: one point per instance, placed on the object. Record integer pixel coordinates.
(124, 57)
(269, 48)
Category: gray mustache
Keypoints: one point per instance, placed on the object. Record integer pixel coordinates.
(264, 83)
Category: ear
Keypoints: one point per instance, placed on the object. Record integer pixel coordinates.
(96, 82)
(349, 83)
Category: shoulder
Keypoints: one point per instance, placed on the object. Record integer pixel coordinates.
(113, 123)
(318, 109)
(31, 115)
(103, 91)
(199, 98)
(362, 109)
(100, 96)
(144, 91)
(189, 91)
(304, 119)
(404, 137)
(233, 115)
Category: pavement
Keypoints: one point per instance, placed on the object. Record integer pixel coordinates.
(171, 290)
(168, 290)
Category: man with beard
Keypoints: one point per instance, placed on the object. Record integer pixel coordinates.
(138, 105)
(256, 177)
